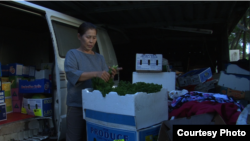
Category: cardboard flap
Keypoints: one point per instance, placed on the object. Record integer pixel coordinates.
(248, 119)
(203, 119)
(218, 120)
(163, 134)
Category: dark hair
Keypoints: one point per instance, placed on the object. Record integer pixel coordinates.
(84, 27)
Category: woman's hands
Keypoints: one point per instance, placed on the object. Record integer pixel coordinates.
(114, 71)
(103, 75)
(106, 76)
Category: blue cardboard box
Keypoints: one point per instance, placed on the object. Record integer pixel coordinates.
(185, 79)
(201, 76)
(36, 86)
(97, 132)
(2, 97)
(3, 113)
(15, 69)
(5, 70)
(40, 107)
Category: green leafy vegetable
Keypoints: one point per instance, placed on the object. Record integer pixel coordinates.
(124, 87)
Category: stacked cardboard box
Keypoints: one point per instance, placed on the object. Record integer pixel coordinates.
(235, 81)
(16, 73)
(41, 107)
(195, 77)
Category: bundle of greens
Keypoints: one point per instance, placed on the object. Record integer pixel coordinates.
(124, 87)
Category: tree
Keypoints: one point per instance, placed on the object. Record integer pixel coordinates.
(236, 38)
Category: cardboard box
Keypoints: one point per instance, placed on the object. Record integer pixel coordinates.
(15, 81)
(37, 86)
(105, 133)
(8, 102)
(5, 70)
(166, 79)
(235, 69)
(3, 113)
(2, 97)
(17, 106)
(40, 107)
(234, 93)
(6, 87)
(5, 79)
(142, 109)
(15, 69)
(166, 131)
(32, 71)
(148, 62)
(195, 77)
(24, 108)
(234, 81)
(32, 78)
(46, 66)
(26, 71)
(201, 76)
(43, 74)
(15, 94)
(185, 79)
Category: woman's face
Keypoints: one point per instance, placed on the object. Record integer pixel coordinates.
(88, 39)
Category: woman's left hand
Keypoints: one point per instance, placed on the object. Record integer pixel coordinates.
(114, 71)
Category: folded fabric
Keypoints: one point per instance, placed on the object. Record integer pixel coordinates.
(200, 97)
(228, 111)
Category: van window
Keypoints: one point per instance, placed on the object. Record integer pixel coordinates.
(66, 37)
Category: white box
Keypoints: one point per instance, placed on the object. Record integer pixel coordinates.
(148, 62)
(235, 69)
(32, 71)
(234, 81)
(43, 104)
(3, 112)
(166, 79)
(46, 66)
(142, 109)
(42, 74)
(26, 71)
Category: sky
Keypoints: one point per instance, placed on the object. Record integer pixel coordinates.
(247, 48)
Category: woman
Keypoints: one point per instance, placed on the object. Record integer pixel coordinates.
(81, 65)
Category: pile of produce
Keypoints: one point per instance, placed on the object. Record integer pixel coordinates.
(124, 87)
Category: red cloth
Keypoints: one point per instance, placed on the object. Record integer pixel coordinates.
(228, 111)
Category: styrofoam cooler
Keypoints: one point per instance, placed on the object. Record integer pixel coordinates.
(166, 79)
(139, 110)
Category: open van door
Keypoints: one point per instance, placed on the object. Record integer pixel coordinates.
(64, 36)
(63, 29)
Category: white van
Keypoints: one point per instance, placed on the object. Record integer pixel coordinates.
(31, 35)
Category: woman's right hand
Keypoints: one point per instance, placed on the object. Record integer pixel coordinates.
(103, 75)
